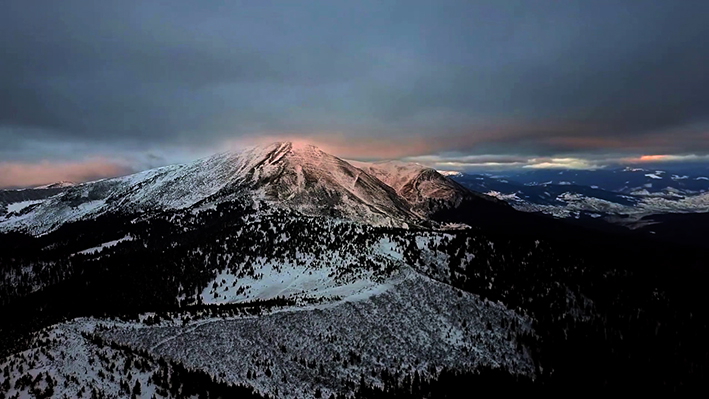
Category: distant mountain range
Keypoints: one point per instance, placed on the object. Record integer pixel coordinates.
(630, 193)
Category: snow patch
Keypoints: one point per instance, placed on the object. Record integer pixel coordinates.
(450, 173)
(19, 206)
(93, 250)
(503, 197)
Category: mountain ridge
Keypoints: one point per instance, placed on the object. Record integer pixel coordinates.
(302, 178)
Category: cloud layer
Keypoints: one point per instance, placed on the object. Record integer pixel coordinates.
(367, 79)
(18, 174)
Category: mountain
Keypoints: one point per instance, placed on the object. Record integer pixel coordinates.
(15, 200)
(426, 190)
(302, 178)
(59, 184)
(449, 173)
(171, 187)
(282, 271)
(312, 181)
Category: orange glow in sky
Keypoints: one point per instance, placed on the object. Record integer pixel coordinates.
(652, 158)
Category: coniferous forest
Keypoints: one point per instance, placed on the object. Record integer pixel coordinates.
(608, 319)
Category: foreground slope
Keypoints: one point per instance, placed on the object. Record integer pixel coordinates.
(404, 326)
(413, 325)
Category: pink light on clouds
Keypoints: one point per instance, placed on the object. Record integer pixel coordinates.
(23, 174)
(662, 158)
(653, 158)
(422, 141)
(348, 147)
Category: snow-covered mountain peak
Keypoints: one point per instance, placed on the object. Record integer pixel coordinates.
(394, 173)
(255, 161)
(299, 177)
(284, 175)
(312, 181)
(450, 173)
(422, 187)
(59, 184)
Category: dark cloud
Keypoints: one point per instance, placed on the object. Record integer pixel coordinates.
(544, 78)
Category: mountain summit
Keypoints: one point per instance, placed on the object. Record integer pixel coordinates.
(313, 182)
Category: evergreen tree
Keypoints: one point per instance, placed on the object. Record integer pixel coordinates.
(136, 388)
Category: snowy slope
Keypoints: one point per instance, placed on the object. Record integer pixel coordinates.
(171, 187)
(395, 174)
(68, 360)
(424, 188)
(63, 363)
(314, 182)
(411, 323)
(59, 184)
(302, 178)
(449, 173)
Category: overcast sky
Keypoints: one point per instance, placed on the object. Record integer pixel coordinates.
(100, 88)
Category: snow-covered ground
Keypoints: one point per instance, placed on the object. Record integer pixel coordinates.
(19, 206)
(396, 174)
(109, 244)
(571, 204)
(348, 321)
(419, 185)
(321, 273)
(409, 323)
(285, 279)
(302, 178)
(449, 173)
(65, 364)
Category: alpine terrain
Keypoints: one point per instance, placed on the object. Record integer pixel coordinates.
(283, 271)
